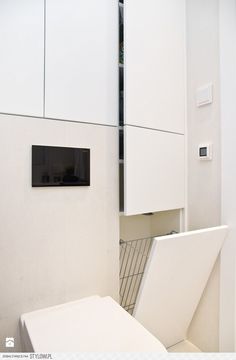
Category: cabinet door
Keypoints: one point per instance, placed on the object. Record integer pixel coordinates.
(81, 60)
(155, 65)
(22, 56)
(154, 171)
(176, 274)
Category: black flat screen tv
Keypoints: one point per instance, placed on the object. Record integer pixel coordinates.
(60, 166)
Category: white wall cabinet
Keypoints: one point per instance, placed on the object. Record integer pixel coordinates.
(153, 104)
(81, 61)
(22, 56)
(155, 64)
(154, 171)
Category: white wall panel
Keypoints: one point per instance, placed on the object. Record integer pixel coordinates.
(154, 171)
(228, 190)
(176, 275)
(155, 64)
(22, 56)
(204, 177)
(57, 244)
(81, 60)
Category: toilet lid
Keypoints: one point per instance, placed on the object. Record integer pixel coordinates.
(93, 324)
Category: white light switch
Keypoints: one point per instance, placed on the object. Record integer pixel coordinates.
(205, 95)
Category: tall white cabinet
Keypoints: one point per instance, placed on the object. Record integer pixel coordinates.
(154, 56)
(154, 97)
(22, 57)
(81, 60)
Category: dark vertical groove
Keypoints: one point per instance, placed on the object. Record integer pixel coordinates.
(44, 65)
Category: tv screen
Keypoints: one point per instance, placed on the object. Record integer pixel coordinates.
(60, 166)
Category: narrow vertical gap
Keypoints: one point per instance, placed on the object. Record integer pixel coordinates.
(44, 60)
(121, 102)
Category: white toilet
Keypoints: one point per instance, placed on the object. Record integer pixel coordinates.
(93, 324)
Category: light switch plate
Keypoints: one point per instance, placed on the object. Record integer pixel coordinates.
(205, 95)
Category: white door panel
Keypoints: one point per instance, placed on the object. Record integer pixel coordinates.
(154, 171)
(22, 57)
(82, 60)
(176, 275)
(155, 64)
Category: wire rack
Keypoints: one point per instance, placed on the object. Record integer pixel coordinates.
(133, 259)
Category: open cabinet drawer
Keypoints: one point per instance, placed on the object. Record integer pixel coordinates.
(175, 277)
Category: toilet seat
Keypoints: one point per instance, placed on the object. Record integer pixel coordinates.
(92, 324)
